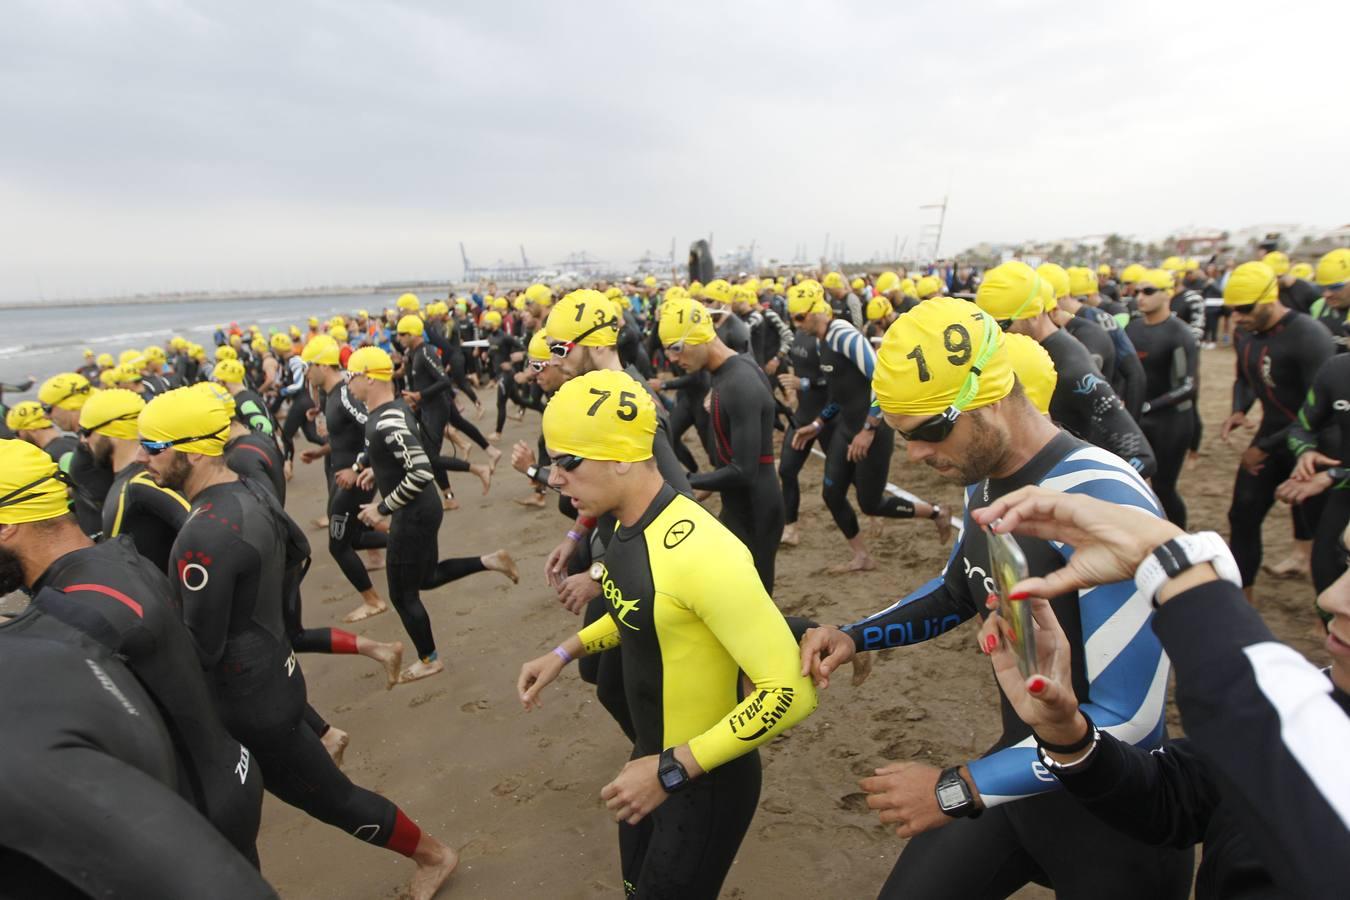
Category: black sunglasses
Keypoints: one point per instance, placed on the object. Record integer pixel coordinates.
(1149, 291)
(86, 432)
(562, 348)
(933, 430)
(155, 448)
(568, 461)
(1245, 309)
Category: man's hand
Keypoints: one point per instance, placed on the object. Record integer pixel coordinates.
(1236, 420)
(312, 413)
(522, 457)
(1253, 460)
(655, 384)
(370, 514)
(700, 495)
(805, 435)
(789, 381)
(412, 396)
(308, 456)
(366, 480)
(823, 650)
(345, 478)
(904, 794)
(535, 675)
(636, 791)
(1294, 492)
(771, 366)
(578, 590)
(1307, 464)
(861, 443)
(555, 566)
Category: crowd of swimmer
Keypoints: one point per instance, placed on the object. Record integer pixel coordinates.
(1097, 368)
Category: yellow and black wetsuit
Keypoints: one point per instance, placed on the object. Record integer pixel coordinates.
(688, 614)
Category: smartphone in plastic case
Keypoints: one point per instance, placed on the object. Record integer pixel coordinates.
(1008, 564)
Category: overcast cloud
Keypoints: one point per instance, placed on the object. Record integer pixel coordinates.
(170, 145)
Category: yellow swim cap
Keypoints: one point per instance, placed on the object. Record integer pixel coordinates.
(155, 353)
(113, 413)
(1048, 300)
(1104, 271)
(928, 286)
(1056, 276)
(878, 308)
(106, 361)
(322, 350)
(673, 293)
(833, 280)
(805, 298)
(1130, 274)
(338, 333)
(228, 371)
(127, 356)
(518, 304)
(409, 303)
(186, 415)
(1033, 367)
(217, 393)
(1334, 267)
(27, 416)
(126, 374)
(501, 303)
(943, 353)
(32, 488)
(1011, 291)
(887, 282)
(1173, 264)
(583, 317)
(539, 293)
(857, 284)
(685, 321)
(744, 293)
(1277, 261)
(1302, 270)
(1251, 282)
(1158, 278)
(68, 390)
(226, 352)
(907, 288)
(372, 362)
(108, 377)
(88, 354)
(411, 325)
(538, 347)
(282, 343)
(492, 319)
(1082, 282)
(603, 414)
(717, 291)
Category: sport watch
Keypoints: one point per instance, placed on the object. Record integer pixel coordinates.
(597, 572)
(1186, 551)
(673, 775)
(953, 795)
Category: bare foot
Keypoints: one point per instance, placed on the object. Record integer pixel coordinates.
(374, 560)
(495, 436)
(863, 563)
(365, 611)
(790, 535)
(419, 670)
(874, 526)
(520, 414)
(1289, 567)
(391, 657)
(501, 561)
(478, 410)
(494, 455)
(534, 501)
(321, 522)
(288, 469)
(435, 864)
(484, 474)
(335, 741)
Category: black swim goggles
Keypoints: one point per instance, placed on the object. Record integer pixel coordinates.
(568, 461)
(22, 494)
(74, 392)
(86, 432)
(935, 429)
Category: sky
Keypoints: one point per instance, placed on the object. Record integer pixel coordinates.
(160, 146)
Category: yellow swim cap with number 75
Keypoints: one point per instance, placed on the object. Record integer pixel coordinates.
(943, 353)
(603, 414)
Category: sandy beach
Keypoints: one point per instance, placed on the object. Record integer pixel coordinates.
(518, 793)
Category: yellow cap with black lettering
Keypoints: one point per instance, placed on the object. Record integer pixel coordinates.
(1033, 367)
(69, 390)
(228, 371)
(1252, 282)
(1011, 291)
(585, 317)
(943, 353)
(113, 413)
(372, 362)
(878, 308)
(32, 488)
(186, 413)
(322, 350)
(807, 297)
(685, 321)
(27, 416)
(603, 414)
(1334, 267)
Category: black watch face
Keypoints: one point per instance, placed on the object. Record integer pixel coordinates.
(951, 795)
(671, 778)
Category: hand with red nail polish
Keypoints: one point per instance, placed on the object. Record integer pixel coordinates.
(1045, 700)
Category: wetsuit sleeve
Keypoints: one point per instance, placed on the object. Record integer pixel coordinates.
(731, 601)
(352, 408)
(295, 369)
(254, 416)
(738, 411)
(855, 310)
(851, 343)
(932, 609)
(1125, 667)
(1133, 380)
(210, 560)
(667, 463)
(401, 441)
(689, 379)
(1185, 370)
(142, 493)
(1107, 425)
(600, 635)
(1264, 720)
(1244, 393)
(1163, 798)
(1313, 415)
(428, 362)
(1315, 348)
(114, 824)
(784, 332)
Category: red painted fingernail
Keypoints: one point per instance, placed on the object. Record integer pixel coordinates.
(1019, 595)
(990, 643)
(1036, 684)
(991, 601)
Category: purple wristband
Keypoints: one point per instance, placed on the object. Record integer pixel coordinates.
(575, 536)
(562, 654)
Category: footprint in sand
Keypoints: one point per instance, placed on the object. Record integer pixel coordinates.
(474, 706)
(424, 698)
(506, 788)
(855, 802)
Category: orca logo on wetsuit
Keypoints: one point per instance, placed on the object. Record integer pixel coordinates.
(676, 533)
(192, 570)
(1341, 406)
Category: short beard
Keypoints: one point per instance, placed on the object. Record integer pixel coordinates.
(177, 475)
(101, 449)
(11, 572)
(984, 452)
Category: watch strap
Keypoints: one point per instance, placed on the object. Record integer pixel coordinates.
(1183, 552)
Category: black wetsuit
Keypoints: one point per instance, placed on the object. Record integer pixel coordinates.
(812, 396)
(251, 411)
(1333, 320)
(1300, 295)
(257, 457)
(89, 804)
(847, 360)
(346, 418)
(115, 596)
(1171, 358)
(92, 482)
(232, 561)
(1085, 405)
(741, 418)
(1098, 344)
(500, 348)
(1188, 305)
(402, 473)
(1128, 378)
(62, 450)
(1276, 366)
(687, 412)
(1323, 424)
(733, 331)
(150, 514)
